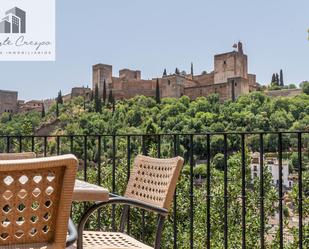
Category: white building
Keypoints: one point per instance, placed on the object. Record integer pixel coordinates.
(272, 164)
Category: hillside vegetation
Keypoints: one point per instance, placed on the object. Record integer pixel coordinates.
(253, 112)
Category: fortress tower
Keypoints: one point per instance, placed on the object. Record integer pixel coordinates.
(8, 101)
(101, 72)
(230, 65)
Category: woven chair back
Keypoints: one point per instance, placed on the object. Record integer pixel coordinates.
(154, 180)
(35, 200)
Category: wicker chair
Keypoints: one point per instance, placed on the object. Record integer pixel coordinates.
(32, 193)
(151, 187)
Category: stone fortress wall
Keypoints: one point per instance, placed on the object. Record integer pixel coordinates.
(230, 79)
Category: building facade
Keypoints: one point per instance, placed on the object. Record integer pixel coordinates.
(272, 165)
(32, 105)
(230, 79)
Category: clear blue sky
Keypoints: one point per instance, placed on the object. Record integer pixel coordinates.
(153, 35)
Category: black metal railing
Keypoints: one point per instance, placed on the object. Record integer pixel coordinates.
(94, 149)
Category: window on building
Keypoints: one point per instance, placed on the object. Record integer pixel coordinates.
(255, 168)
(254, 175)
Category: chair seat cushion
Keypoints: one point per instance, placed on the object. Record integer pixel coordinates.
(111, 240)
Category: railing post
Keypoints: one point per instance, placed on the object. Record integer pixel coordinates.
(191, 194)
(72, 144)
(20, 144)
(85, 157)
(144, 151)
(8, 144)
(280, 190)
(45, 146)
(99, 179)
(159, 146)
(85, 166)
(225, 194)
(208, 226)
(262, 214)
(113, 178)
(32, 143)
(99, 160)
(128, 177)
(300, 192)
(58, 145)
(175, 146)
(243, 189)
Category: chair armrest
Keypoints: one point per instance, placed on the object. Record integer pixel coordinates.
(72, 234)
(115, 199)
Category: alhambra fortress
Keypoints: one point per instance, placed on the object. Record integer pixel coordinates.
(229, 79)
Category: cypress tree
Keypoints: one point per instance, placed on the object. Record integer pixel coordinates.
(104, 92)
(192, 72)
(97, 100)
(177, 71)
(114, 106)
(111, 97)
(57, 109)
(59, 98)
(273, 78)
(277, 79)
(158, 100)
(164, 72)
(281, 78)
